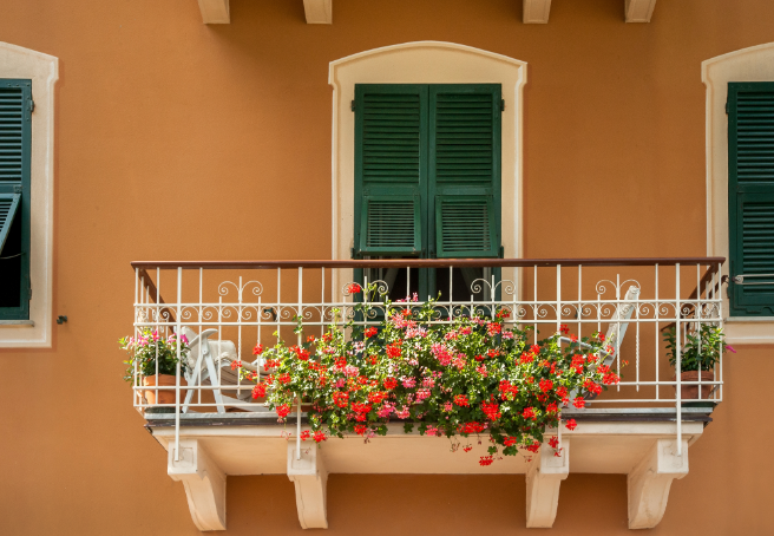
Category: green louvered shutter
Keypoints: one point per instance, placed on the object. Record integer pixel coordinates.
(390, 169)
(9, 206)
(464, 168)
(751, 197)
(15, 149)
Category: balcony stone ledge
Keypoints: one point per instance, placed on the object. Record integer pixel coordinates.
(640, 443)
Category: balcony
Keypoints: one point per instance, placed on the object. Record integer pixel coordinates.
(641, 427)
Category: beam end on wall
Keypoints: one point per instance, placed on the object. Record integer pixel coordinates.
(318, 11)
(536, 11)
(639, 10)
(215, 11)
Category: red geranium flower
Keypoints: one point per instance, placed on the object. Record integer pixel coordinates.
(571, 424)
(486, 460)
(258, 350)
(353, 288)
(341, 399)
(283, 411)
(259, 391)
(393, 350)
(319, 436)
(461, 400)
(390, 384)
(370, 332)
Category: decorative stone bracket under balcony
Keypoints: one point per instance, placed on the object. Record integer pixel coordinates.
(640, 443)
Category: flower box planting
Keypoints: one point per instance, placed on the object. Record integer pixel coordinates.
(469, 378)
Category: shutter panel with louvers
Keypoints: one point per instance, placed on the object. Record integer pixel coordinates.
(464, 169)
(9, 204)
(15, 146)
(751, 198)
(390, 171)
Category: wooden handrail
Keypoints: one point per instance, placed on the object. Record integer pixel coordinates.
(428, 263)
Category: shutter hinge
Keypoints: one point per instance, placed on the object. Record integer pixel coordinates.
(353, 105)
(502, 105)
(17, 188)
(31, 104)
(726, 107)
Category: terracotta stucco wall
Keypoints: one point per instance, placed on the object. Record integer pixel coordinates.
(180, 141)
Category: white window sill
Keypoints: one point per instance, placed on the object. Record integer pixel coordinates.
(744, 330)
(16, 323)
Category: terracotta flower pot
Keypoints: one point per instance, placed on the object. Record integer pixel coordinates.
(166, 396)
(691, 392)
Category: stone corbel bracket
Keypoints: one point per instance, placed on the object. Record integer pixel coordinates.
(308, 473)
(648, 484)
(544, 477)
(204, 482)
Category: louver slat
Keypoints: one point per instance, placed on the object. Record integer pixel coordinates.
(9, 205)
(757, 250)
(390, 225)
(11, 133)
(391, 138)
(464, 138)
(465, 227)
(751, 191)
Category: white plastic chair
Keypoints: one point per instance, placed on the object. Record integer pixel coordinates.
(616, 331)
(204, 359)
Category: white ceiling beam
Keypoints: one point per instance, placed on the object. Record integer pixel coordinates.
(536, 11)
(215, 11)
(318, 11)
(639, 10)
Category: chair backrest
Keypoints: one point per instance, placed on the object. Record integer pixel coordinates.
(619, 323)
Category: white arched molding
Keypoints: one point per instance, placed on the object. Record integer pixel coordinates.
(425, 62)
(43, 70)
(754, 64)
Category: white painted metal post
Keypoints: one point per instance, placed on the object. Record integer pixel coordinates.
(177, 376)
(678, 386)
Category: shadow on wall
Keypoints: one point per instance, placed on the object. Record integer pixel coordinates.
(402, 504)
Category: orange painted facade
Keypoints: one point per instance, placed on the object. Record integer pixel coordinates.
(177, 140)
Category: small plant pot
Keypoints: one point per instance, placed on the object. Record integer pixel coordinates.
(691, 392)
(166, 396)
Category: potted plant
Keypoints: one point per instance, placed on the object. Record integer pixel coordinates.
(156, 360)
(698, 355)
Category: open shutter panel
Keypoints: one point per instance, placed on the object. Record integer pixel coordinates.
(9, 205)
(751, 198)
(390, 170)
(465, 169)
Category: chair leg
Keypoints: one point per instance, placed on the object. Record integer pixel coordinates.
(216, 392)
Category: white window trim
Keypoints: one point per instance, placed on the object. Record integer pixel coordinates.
(43, 70)
(754, 64)
(425, 62)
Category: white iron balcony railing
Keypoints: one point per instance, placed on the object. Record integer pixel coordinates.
(226, 308)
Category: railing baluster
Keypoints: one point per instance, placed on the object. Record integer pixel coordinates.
(678, 387)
